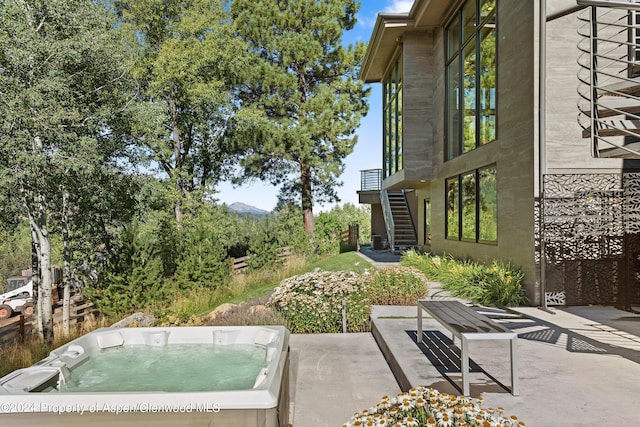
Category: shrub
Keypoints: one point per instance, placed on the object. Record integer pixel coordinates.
(398, 285)
(422, 407)
(498, 284)
(312, 302)
(264, 249)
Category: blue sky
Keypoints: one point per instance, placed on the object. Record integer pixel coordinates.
(367, 153)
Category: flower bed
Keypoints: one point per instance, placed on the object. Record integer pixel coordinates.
(312, 302)
(397, 285)
(422, 407)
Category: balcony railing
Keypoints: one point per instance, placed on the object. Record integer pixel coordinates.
(610, 77)
(371, 180)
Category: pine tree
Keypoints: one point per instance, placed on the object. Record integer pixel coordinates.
(302, 97)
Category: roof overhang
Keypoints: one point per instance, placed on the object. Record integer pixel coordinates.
(425, 15)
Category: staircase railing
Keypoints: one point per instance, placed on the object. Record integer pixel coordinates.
(388, 218)
(609, 77)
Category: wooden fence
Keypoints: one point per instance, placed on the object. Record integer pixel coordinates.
(239, 265)
(349, 239)
(19, 327)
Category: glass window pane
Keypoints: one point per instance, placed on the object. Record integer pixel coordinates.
(486, 7)
(488, 205)
(399, 132)
(392, 139)
(385, 148)
(453, 109)
(453, 208)
(453, 38)
(469, 206)
(488, 85)
(469, 123)
(427, 222)
(469, 19)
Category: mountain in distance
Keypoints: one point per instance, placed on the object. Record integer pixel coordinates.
(243, 208)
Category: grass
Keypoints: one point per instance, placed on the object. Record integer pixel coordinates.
(20, 354)
(252, 285)
(187, 309)
(349, 261)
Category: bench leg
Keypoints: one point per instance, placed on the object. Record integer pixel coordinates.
(514, 366)
(464, 368)
(419, 337)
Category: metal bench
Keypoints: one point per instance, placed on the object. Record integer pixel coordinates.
(466, 324)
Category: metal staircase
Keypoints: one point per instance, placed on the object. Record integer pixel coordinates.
(397, 217)
(609, 77)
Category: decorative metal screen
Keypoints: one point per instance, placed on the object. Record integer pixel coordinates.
(592, 238)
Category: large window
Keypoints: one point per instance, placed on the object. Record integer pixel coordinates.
(392, 151)
(634, 45)
(471, 77)
(472, 208)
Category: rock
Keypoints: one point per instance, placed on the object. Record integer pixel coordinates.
(259, 309)
(221, 309)
(136, 319)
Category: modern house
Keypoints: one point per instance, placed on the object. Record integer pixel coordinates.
(472, 142)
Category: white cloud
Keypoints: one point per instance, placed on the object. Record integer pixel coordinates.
(399, 6)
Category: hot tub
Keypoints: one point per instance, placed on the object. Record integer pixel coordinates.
(209, 376)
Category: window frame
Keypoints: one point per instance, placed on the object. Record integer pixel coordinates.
(459, 207)
(457, 118)
(392, 113)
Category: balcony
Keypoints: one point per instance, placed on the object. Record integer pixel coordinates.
(370, 186)
(371, 180)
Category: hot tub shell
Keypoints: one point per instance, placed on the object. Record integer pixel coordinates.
(30, 396)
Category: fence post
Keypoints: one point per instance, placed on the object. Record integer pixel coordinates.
(21, 328)
(344, 315)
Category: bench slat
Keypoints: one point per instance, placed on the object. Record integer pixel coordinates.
(461, 318)
(467, 324)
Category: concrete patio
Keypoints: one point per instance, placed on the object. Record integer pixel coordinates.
(579, 366)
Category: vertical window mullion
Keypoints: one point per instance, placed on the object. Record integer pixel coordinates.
(384, 130)
(478, 88)
(395, 117)
(477, 173)
(460, 207)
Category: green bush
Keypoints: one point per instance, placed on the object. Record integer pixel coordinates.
(312, 302)
(497, 284)
(398, 285)
(264, 249)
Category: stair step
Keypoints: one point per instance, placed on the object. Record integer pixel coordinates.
(619, 153)
(615, 106)
(615, 128)
(628, 87)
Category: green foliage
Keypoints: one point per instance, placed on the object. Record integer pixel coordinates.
(265, 248)
(157, 259)
(302, 98)
(64, 93)
(133, 276)
(290, 229)
(331, 224)
(203, 258)
(186, 59)
(349, 261)
(312, 302)
(498, 284)
(15, 252)
(398, 285)
(328, 229)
